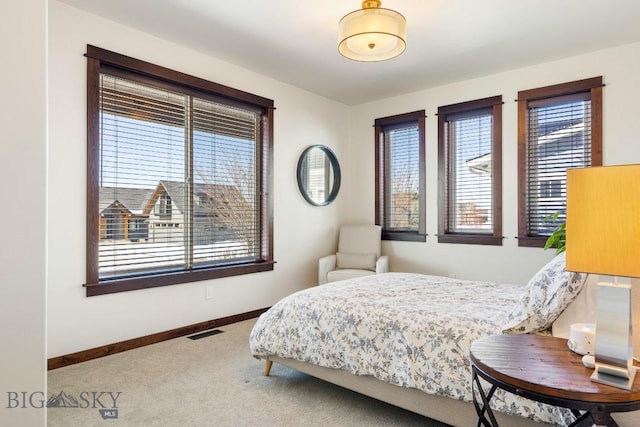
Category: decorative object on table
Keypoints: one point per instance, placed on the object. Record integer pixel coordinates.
(603, 231)
(582, 338)
(372, 33)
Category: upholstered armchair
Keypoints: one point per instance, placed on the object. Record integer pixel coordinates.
(358, 255)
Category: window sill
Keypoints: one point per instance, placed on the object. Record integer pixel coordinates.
(470, 239)
(403, 236)
(136, 283)
(532, 241)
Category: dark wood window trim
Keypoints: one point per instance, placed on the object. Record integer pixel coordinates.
(527, 98)
(492, 105)
(417, 117)
(99, 59)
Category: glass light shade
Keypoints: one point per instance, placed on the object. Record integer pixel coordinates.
(372, 34)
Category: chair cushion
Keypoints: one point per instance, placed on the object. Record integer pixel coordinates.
(347, 273)
(361, 239)
(357, 261)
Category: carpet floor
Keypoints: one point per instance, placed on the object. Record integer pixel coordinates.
(212, 381)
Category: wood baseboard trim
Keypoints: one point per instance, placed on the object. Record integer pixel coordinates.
(106, 350)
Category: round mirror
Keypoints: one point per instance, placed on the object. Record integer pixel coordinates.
(318, 175)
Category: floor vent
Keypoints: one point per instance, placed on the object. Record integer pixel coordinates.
(205, 334)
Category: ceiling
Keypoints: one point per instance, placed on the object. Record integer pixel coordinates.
(295, 41)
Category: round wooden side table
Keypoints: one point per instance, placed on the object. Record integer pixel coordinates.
(542, 368)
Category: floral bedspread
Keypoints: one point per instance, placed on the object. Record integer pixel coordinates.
(411, 330)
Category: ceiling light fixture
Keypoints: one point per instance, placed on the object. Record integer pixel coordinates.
(372, 33)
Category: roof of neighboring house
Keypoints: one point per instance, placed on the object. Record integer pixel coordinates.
(209, 197)
(562, 138)
(480, 164)
(220, 201)
(562, 133)
(132, 199)
(225, 203)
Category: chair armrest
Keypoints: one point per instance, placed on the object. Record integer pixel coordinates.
(325, 265)
(382, 264)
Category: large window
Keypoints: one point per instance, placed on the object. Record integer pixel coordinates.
(400, 176)
(470, 172)
(559, 127)
(178, 177)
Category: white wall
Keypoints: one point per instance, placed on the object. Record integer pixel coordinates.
(23, 150)
(302, 233)
(620, 68)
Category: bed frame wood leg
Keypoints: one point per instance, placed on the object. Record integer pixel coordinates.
(267, 367)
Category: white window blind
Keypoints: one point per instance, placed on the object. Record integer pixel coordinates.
(177, 181)
(224, 155)
(559, 138)
(468, 181)
(402, 174)
(470, 172)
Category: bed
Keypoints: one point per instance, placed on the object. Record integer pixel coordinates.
(404, 338)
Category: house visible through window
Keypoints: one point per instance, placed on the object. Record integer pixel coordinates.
(470, 172)
(400, 176)
(559, 127)
(551, 188)
(178, 177)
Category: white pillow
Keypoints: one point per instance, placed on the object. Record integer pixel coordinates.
(545, 297)
(357, 261)
(581, 310)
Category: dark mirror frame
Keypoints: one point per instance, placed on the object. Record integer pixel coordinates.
(335, 169)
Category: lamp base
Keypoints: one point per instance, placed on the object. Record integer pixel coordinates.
(614, 380)
(614, 344)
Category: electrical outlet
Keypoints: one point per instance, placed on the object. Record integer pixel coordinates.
(208, 292)
(452, 275)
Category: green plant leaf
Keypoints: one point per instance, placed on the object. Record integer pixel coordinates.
(558, 238)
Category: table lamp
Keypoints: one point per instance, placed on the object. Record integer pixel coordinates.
(603, 237)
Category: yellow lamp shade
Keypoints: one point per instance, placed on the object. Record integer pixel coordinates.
(603, 220)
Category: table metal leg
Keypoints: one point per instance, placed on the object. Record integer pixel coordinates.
(582, 420)
(482, 420)
(585, 419)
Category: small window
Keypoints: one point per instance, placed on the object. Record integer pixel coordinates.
(559, 127)
(470, 172)
(400, 176)
(178, 177)
(550, 189)
(164, 207)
